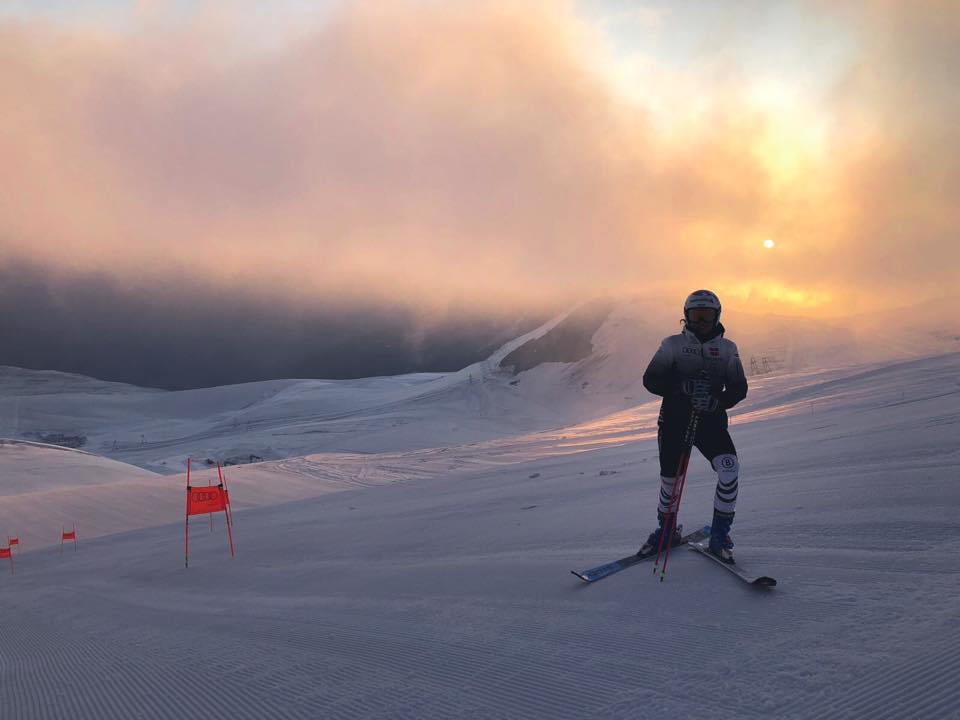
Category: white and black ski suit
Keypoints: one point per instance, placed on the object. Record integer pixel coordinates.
(681, 357)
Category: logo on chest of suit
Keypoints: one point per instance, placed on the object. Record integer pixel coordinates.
(687, 350)
(714, 352)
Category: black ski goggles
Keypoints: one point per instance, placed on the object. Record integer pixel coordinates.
(701, 315)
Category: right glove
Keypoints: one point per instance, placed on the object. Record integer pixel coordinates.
(701, 397)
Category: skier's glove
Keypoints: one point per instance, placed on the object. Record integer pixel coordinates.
(701, 398)
(695, 386)
(704, 403)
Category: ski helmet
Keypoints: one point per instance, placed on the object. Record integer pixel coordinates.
(702, 299)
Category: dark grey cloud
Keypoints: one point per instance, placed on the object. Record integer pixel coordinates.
(169, 336)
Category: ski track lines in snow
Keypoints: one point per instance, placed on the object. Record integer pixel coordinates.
(340, 656)
(362, 666)
(578, 653)
(97, 676)
(924, 688)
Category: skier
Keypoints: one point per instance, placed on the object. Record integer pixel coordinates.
(697, 370)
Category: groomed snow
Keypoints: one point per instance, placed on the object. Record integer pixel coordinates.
(433, 582)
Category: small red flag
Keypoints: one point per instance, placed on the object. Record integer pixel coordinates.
(7, 553)
(72, 535)
(11, 541)
(207, 499)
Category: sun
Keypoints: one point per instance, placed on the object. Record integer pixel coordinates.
(769, 244)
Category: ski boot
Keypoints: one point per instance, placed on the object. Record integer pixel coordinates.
(652, 544)
(721, 546)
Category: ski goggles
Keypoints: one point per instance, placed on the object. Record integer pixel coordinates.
(701, 315)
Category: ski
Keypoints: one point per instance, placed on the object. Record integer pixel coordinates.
(755, 580)
(602, 571)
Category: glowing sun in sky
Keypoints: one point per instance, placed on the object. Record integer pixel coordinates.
(769, 244)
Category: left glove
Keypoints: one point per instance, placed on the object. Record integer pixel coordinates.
(704, 403)
(701, 398)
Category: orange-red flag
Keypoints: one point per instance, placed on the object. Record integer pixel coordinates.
(206, 499)
(72, 535)
(6, 553)
(12, 540)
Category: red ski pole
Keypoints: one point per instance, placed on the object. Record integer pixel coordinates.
(670, 522)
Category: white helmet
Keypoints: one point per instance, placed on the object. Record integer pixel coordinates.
(702, 299)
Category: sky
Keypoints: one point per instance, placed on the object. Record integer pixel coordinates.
(485, 154)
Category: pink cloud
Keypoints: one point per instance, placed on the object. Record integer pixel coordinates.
(426, 151)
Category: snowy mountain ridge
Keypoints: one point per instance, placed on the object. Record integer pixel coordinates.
(521, 388)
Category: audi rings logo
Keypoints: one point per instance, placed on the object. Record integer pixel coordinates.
(205, 496)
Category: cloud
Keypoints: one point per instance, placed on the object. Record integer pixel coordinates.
(427, 153)
(161, 334)
(900, 113)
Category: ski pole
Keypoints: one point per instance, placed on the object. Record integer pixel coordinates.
(683, 482)
(677, 495)
(688, 441)
(670, 522)
(667, 521)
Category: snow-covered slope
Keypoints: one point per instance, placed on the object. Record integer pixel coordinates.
(435, 583)
(158, 430)
(30, 467)
(580, 366)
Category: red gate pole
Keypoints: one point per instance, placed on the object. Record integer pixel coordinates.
(226, 508)
(230, 537)
(186, 524)
(223, 481)
(63, 529)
